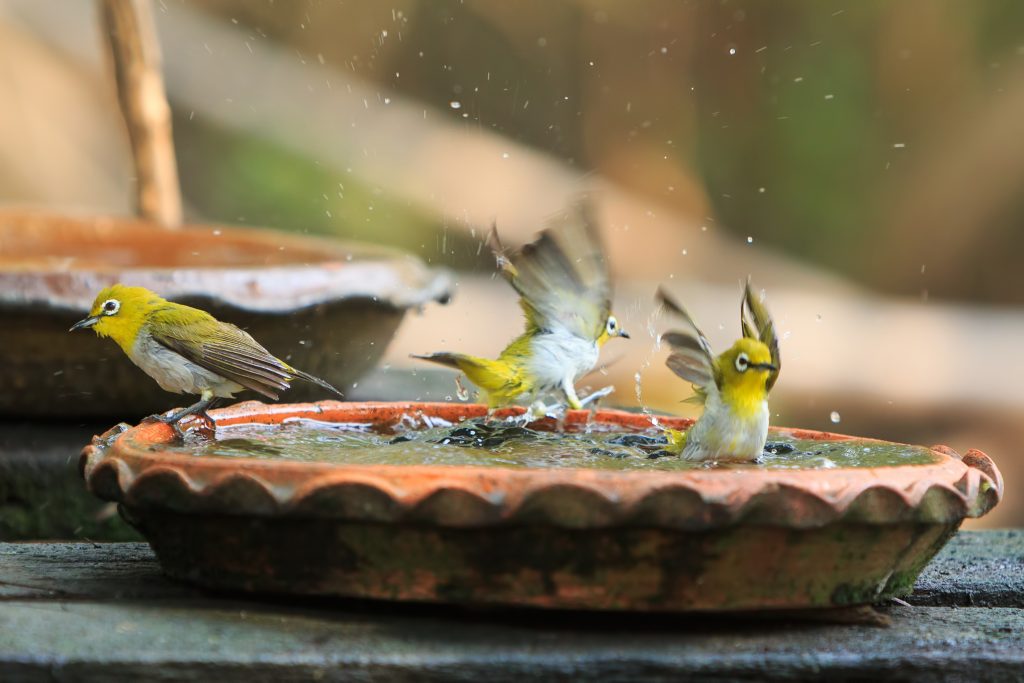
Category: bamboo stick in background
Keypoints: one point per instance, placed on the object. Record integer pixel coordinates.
(135, 55)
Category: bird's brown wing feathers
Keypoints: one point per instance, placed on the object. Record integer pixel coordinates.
(756, 323)
(221, 348)
(562, 277)
(691, 356)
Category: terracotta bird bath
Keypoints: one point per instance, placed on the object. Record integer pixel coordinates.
(705, 539)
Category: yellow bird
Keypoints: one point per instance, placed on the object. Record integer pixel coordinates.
(187, 350)
(732, 386)
(565, 293)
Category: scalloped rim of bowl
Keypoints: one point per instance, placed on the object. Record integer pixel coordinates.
(120, 466)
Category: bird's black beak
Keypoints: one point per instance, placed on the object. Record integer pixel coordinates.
(764, 366)
(85, 322)
(624, 334)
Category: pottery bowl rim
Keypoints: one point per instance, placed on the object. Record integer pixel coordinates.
(120, 466)
(325, 269)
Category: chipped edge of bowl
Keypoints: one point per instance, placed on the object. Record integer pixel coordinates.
(117, 467)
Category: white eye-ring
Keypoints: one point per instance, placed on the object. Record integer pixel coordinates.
(613, 324)
(111, 306)
(742, 362)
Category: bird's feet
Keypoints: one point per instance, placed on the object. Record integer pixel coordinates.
(597, 395)
(159, 417)
(171, 420)
(197, 409)
(205, 425)
(538, 410)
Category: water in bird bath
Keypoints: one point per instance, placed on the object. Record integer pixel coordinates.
(498, 444)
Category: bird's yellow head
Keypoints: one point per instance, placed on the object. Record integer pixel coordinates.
(611, 329)
(119, 313)
(744, 370)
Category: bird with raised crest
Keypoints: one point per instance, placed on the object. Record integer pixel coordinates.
(732, 386)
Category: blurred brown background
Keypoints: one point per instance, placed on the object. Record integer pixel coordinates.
(863, 161)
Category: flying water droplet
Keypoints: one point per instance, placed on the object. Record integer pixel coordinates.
(460, 390)
(835, 417)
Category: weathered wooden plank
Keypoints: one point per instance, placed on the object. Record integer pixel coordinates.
(976, 568)
(104, 612)
(93, 571)
(158, 640)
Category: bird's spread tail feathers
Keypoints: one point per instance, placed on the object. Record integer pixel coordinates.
(498, 379)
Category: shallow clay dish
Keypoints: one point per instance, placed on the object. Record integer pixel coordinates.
(730, 539)
(327, 307)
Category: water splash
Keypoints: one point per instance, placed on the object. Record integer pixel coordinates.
(461, 391)
(646, 364)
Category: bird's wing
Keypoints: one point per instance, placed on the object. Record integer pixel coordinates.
(691, 356)
(562, 277)
(757, 323)
(221, 348)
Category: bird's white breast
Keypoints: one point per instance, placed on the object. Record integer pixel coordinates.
(723, 434)
(559, 355)
(175, 373)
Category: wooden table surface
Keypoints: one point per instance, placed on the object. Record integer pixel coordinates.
(73, 611)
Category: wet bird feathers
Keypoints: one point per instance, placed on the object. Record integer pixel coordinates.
(562, 277)
(692, 357)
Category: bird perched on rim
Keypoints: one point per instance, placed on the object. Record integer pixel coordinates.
(565, 293)
(733, 386)
(187, 350)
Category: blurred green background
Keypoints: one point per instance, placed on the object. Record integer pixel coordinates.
(804, 124)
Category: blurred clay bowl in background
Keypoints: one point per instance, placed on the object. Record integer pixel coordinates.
(327, 307)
